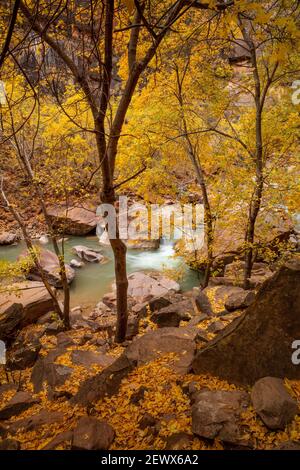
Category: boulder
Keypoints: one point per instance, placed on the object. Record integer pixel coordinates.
(89, 254)
(156, 303)
(218, 295)
(8, 238)
(10, 318)
(203, 304)
(73, 220)
(239, 300)
(10, 444)
(142, 350)
(20, 402)
(107, 382)
(89, 358)
(35, 301)
(143, 286)
(23, 353)
(288, 445)
(31, 423)
(234, 273)
(259, 343)
(216, 415)
(133, 324)
(50, 265)
(171, 315)
(273, 403)
(46, 372)
(61, 438)
(92, 434)
(179, 441)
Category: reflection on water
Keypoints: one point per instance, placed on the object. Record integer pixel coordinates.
(93, 280)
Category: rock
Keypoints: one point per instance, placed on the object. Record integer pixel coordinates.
(7, 238)
(46, 372)
(170, 316)
(141, 286)
(35, 421)
(47, 318)
(152, 305)
(64, 437)
(234, 273)
(239, 300)
(203, 304)
(23, 354)
(142, 350)
(10, 318)
(50, 265)
(7, 388)
(273, 403)
(10, 444)
(198, 319)
(143, 244)
(64, 340)
(216, 415)
(179, 441)
(136, 397)
(215, 327)
(288, 445)
(92, 434)
(259, 343)
(20, 402)
(164, 340)
(74, 263)
(106, 382)
(74, 220)
(218, 296)
(148, 421)
(132, 326)
(54, 328)
(88, 254)
(44, 240)
(88, 358)
(35, 301)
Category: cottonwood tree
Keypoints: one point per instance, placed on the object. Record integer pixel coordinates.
(87, 39)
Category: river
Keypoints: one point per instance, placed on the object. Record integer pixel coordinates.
(93, 280)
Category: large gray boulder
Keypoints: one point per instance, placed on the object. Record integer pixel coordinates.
(89, 254)
(142, 286)
(8, 238)
(73, 220)
(259, 343)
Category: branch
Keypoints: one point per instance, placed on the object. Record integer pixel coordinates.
(10, 31)
(130, 177)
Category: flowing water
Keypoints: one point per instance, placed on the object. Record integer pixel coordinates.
(93, 280)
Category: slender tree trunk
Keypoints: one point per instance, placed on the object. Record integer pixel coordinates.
(256, 199)
(208, 219)
(62, 267)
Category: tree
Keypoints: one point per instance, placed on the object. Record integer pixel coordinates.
(86, 42)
